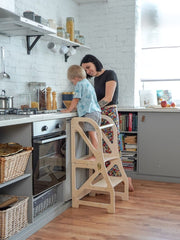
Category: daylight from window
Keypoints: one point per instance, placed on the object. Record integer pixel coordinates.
(160, 23)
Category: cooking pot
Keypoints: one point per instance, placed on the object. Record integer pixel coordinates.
(6, 102)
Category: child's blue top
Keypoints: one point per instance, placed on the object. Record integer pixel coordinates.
(87, 98)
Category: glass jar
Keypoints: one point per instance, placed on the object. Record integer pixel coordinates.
(81, 39)
(24, 101)
(67, 35)
(61, 32)
(38, 95)
(70, 27)
(76, 35)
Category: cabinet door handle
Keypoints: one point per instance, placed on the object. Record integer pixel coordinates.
(143, 118)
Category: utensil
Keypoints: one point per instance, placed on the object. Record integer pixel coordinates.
(52, 46)
(3, 74)
(71, 51)
(64, 49)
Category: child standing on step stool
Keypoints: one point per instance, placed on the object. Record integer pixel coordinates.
(85, 100)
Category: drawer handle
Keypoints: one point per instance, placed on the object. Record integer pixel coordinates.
(143, 118)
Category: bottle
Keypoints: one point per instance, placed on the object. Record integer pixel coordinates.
(70, 27)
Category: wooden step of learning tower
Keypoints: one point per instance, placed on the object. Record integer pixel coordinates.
(98, 179)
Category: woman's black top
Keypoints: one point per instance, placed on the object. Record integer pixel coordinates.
(100, 86)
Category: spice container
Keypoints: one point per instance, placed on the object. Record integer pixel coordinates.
(29, 14)
(67, 35)
(61, 32)
(70, 27)
(38, 18)
(52, 23)
(81, 39)
(76, 36)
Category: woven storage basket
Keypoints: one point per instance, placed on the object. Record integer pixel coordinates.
(14, 218)
(14, 166)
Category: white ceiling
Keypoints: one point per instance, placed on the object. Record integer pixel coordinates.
(89, 1)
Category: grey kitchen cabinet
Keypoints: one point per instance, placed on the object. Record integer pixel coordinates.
(21, 186)
(159, 144)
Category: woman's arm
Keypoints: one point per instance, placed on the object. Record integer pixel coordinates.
(72, 106)
(109, 93)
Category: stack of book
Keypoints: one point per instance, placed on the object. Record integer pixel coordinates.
(129, 160)
(130, 147)
(130, 143)
(129, 151)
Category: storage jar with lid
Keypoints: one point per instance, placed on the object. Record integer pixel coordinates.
(24, 100)
(67, 35)
(81, 39)
(76, 35)
(38, 95)
(70, 27)
(61, 32)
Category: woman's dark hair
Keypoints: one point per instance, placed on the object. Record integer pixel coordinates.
(90, 58)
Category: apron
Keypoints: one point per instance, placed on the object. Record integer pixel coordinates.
(111, 111)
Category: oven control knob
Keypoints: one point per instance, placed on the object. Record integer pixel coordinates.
(58, 125)
(44, 128)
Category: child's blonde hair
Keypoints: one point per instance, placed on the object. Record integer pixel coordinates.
(76, 71)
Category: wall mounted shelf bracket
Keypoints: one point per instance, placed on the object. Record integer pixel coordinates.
(29, 45)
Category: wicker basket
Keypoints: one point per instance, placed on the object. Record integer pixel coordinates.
(14, 166)
(14, 218)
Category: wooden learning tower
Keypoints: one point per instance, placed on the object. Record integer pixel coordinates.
(98, 179)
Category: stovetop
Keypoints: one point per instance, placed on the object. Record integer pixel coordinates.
(28, 111)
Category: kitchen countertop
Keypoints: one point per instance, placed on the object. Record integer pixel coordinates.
(10, 119)
(149, 109)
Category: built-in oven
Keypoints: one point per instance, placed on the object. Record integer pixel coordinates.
(49, 154)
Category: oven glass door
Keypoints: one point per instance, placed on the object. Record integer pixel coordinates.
(49, 162)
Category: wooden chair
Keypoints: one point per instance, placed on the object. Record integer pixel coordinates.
(98, 181)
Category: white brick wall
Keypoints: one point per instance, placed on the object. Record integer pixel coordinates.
(8, 4)
(109, 29)
(41, 65)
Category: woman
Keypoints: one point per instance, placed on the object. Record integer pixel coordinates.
(106, 87)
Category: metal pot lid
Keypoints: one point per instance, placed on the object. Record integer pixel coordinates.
(3, 97)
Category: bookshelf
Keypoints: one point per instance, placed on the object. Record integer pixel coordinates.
(128, 122)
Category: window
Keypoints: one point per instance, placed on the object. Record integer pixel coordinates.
(160, 23)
